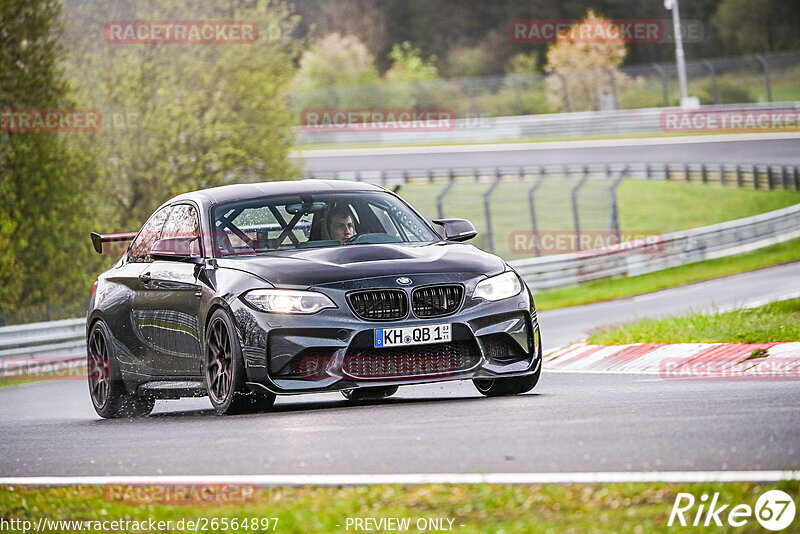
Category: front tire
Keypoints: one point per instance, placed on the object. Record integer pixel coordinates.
(225, 372)
(501, 387)
(110, 398)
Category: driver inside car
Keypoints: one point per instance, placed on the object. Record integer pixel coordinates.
(340, 225)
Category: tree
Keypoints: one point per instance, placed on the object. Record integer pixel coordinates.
(336, 61)
(45, 215)
(758, 25)
(409, 66)
(522, 64)
(365, 18)
(585, 69)
(471, 61)
(192, 115)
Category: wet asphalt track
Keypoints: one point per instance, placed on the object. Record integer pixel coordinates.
(571, 422)
(784, 149)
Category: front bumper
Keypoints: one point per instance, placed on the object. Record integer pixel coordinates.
(332, 350)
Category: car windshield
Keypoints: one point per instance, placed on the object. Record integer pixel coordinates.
(316, 220)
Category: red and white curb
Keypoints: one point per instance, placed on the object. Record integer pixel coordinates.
(681, 360)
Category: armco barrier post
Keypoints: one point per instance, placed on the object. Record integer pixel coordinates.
(797, 178)
(614, 213)
(613, 82)
(565, 94)
(423, 95)
(714, 87)
(575, 216)
(471, 94)
(739, 175)
(664, 87)
(517, 95)
(765, 69)
(532, 204)
(440, 197)
(487, 207)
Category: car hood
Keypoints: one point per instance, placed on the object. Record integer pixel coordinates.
(313, 267)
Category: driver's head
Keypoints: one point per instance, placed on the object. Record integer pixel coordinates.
(340, 225)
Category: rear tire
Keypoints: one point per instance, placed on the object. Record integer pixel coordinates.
(364, 394)
(110, 398)
(501, 387)
(225, 372)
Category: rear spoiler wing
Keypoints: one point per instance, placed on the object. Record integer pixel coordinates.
(99, 239)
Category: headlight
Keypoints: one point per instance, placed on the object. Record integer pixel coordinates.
(498, 287)
(288, 301)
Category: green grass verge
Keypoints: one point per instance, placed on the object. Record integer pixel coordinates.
(672, 206)
(19, 380)
(777, 321)
(574, 508)
(542, 139)
(601, 290)
(645, 207)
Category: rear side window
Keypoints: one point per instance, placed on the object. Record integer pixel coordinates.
(183, 222)
(149, 234)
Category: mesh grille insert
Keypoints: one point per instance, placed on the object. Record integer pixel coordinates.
(436, 301)
(412, 362)
(379, 304)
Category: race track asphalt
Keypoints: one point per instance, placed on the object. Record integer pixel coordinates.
(753, 149)
(571, 422)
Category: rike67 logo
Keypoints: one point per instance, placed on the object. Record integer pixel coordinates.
(774, 510)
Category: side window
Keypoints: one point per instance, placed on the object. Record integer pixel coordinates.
(183, 222)
(149, 234)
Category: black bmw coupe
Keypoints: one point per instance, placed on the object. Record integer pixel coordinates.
(245, 292)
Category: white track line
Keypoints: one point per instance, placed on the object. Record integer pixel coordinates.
(543, 145)
(440, 478)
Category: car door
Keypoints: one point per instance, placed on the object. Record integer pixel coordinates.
(166, 306)
(131, 346)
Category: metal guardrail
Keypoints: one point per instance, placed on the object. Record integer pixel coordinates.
(42, 347)
(662, 252)
(490, 129)
(65, 340)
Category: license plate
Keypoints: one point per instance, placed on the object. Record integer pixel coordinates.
(413, 335)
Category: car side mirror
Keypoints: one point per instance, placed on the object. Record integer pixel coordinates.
(177, 249)
(457, 229)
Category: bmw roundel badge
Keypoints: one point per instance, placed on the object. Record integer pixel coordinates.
(404, 280)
